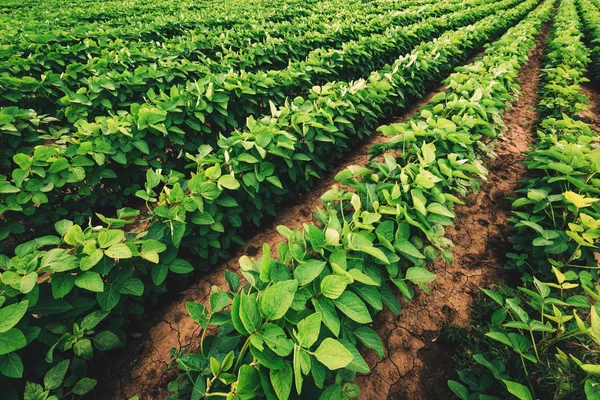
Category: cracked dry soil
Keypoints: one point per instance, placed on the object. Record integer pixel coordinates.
(415, 366)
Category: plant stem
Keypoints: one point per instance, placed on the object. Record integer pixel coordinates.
(242, 354)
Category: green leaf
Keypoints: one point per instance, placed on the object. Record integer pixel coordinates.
(150, 250)
(11, 315)
(198, 312)
(84, 386)
(308, 330)
(276, 339)
(55, 376)
(277, 299)
(249, 314)
(458, 389)
(90, 281)
(351, 305)
(236, 319)
(370, 339)
(592, 390)
(11, 340)
(229, 182)
(519, 391)
(92, 320)
(110, 237)
(11, 365)
(159, 274)
(62, 285)
(329, 316)
(180, 266)
(407, 248)
(248, 386)
(74, 236)
(332, 286)
(118, 251)
(218, 301)
(307, 272)
(419, 275)
(333, 354)
(281, 380)
(133, 287)
(107, 340)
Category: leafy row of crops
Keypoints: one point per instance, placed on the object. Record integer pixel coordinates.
(69, 284)
(540, 341)
(296, 326)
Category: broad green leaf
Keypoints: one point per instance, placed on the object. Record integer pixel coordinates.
(56, 375)
(370, 339)
(218, 301)
(351, 305)
(419, 275)
(90, 281)
(11, 365)
(276, 339)
(248, 384)
(277, 299)
(308, 330)
(249, 313)
(84, 386)
(308, 271)
(107, 340)
(229, 182)
(519, 391)
(329, 316)
(11, 340)
(332, 286)
(282, 381)
(11, 315)
(333, 354)
(407, 248)
(118, 251)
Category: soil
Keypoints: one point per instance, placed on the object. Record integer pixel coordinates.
(415, 365)
(592, 114)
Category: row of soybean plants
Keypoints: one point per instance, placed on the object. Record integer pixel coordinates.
(542, 339)
(296, 324)
(205, 37)
(74, 172)
(68, 293)
(114, 79)
(590, 13)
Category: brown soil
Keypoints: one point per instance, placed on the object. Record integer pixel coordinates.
(416, 366)
(592, 114)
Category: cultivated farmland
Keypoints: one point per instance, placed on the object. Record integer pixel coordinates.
(323, 199)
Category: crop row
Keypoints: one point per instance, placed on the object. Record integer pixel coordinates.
(73, 166)
(543, 338)
(296, 325)
(591, 17)
(70, 293)
(30, 57)
(113, 78)
(319, 127)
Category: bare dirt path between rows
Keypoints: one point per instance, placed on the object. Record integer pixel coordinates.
(414, 367)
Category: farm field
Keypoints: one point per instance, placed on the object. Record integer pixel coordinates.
(323, 199)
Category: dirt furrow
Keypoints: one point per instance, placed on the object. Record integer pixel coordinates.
(592, 114)
(415, 365)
